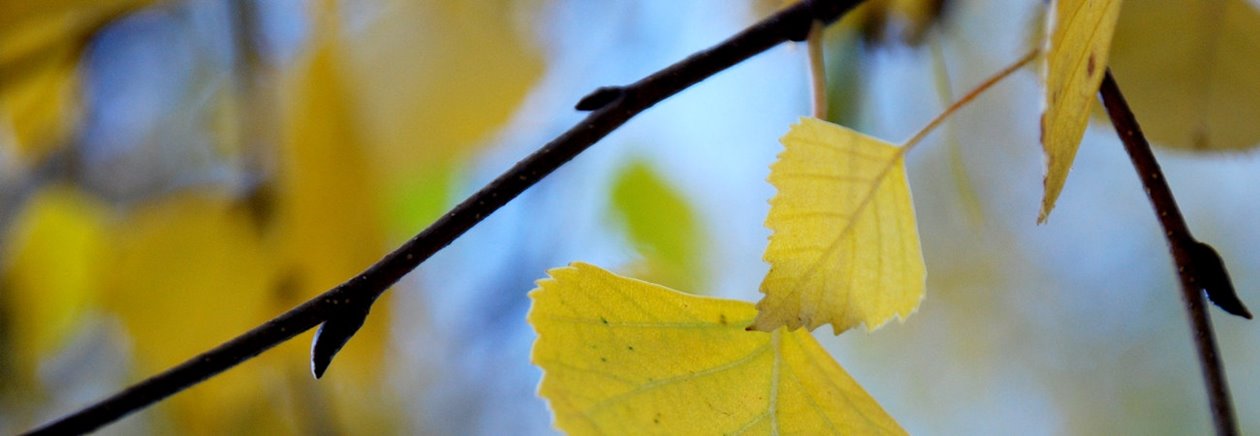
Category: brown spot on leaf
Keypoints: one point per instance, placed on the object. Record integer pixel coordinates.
(1199, 139)
(1091, 66)
(1043, 128)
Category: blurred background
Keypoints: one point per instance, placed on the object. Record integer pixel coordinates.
(173, 173)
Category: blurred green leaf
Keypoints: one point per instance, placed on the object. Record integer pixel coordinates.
(661, 224)
(416, 200)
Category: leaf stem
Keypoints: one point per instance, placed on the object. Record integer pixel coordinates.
(971, 95)
(1181, 244)
(790, 24)
(817, 70)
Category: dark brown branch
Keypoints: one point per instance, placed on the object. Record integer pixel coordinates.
(1183, 247)
(792, 24)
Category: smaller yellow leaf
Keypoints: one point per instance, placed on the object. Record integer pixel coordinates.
(845, 246)
(623, 356)
(1076, 57)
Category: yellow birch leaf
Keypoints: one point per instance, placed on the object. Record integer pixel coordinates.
(845, 247)
(1075, 59)
(623, 356)
(1189, 69)
(52, 268)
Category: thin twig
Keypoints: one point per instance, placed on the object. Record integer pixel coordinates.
(1182, 244)
(790, 24)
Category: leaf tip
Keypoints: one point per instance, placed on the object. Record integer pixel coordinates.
(318, 368)
(1049, 197)
(762, 322)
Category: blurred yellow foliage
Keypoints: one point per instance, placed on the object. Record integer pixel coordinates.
(40, 46)
(54, 255)
(328, 224)
(623, 356)
(1190, 70)
(188, 272)
(457, 71)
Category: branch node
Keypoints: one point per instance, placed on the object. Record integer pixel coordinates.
(600, 97)
(334, 333)
(1188, 254)
(1211, 275)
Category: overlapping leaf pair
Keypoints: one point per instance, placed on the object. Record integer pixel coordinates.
(620, 353)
